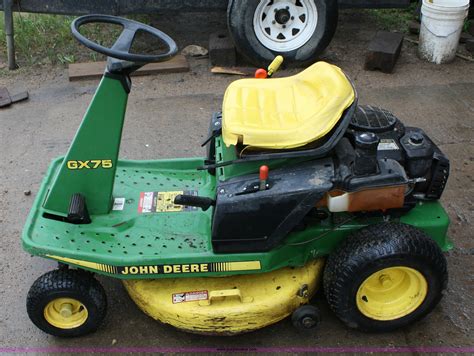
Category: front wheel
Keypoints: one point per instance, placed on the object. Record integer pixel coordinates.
(66, 303)
(299, 30)
(384, 277)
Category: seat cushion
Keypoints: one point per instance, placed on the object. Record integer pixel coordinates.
(284, 113)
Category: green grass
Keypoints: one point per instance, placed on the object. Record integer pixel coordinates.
(467, 24)
(47, 39)
(393, 19)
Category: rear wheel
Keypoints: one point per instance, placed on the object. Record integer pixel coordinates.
(306, 317)
(66, 303)
(384, 277)
(299, 30)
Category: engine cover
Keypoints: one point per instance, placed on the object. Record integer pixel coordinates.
(425, 165)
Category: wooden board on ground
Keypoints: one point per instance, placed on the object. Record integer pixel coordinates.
(383, 51)
(20, 97)
(245, 71)
(93, 70)
(5, 99)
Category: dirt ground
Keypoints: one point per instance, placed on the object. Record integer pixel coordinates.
(168, 116)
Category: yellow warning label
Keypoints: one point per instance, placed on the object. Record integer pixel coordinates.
(166, 202)
(162, 202)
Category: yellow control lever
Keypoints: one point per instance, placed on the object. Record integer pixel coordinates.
(275, 65)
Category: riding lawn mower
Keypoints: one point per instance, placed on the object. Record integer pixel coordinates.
(300, 186)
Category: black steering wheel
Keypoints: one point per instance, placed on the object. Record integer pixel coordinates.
(121, 47)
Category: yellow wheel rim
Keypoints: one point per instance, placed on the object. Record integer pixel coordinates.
(65, 313)
(391, 293)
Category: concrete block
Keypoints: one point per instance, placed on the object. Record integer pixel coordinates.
(383, 51)
(221, 50)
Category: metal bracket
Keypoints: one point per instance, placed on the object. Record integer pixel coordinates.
(303, 291)
(225, 293)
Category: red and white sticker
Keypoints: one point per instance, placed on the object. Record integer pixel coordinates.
(147, 202)
(190, 296)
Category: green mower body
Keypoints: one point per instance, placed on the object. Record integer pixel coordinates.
(128, 244)
(127, 240)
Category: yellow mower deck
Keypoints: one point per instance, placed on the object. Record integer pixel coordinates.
(226, 305)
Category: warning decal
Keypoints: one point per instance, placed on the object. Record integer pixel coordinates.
(190, 296)
(159, 202)
(387, 144)
(119, 203)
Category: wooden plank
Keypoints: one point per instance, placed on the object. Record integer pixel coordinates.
(221, 50)
(244, 71)
(20, 97)
(5, 99)
(470, 45)
(383, 51)
(94, 70)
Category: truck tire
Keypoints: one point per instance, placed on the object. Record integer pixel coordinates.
(299, 30)
(384, 277)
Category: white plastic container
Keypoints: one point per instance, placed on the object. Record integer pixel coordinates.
(441, 26)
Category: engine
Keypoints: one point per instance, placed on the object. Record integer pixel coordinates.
(379, 165)
(383, 164)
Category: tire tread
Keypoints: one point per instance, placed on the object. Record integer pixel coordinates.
(375, 242)
(80, 283)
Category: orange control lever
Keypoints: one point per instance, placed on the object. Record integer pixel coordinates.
(263, 176)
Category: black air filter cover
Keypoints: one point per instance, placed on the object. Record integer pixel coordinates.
(372, 119)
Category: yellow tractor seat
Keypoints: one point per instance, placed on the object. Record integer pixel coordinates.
(285, 113)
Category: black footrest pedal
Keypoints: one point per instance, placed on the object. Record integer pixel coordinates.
(77, 212)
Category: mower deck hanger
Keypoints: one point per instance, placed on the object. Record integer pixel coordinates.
(299, 182)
